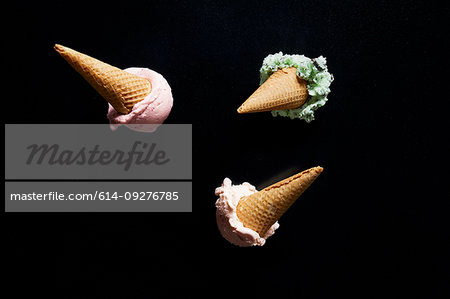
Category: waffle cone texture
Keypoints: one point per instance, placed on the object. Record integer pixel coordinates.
(262, 209)
(282, 90)
(121, 89)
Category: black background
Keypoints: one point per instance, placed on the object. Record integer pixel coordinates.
(375, 223)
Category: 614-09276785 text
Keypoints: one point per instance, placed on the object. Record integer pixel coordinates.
(147, 195)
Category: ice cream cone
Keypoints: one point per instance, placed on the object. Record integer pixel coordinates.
(121, 89)
(282, 90)
(262, 209)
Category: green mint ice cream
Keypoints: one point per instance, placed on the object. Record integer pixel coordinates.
(314, 71)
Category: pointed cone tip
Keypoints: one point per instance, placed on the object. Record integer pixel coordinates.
(59, 48)
(299, 176)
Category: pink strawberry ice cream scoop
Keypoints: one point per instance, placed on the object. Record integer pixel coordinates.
(149, 113)
(228, 222)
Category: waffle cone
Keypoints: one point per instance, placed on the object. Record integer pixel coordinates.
(262, 209)
(282, 90)
(120, 88)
